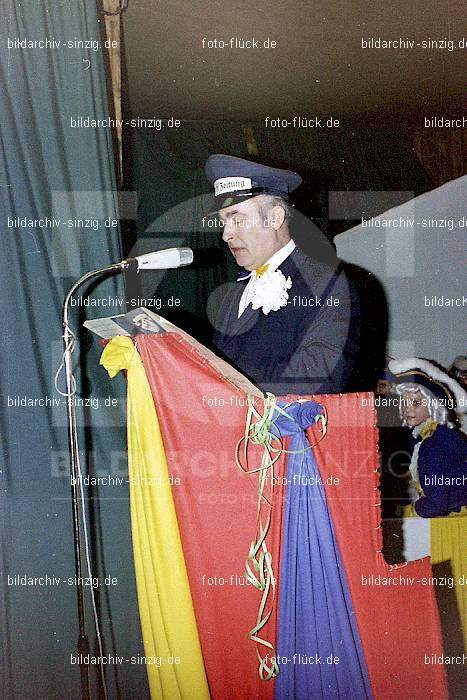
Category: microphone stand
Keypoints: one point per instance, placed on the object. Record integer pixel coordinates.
(76, 495)
(171, 258)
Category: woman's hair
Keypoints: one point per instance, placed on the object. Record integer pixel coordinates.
(437, 412)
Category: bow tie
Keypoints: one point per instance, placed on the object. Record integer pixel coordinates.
(259, 272)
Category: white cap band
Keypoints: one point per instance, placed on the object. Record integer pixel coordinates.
(231, 184)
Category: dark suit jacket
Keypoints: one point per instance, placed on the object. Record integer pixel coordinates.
(306, 347)
(441, 471)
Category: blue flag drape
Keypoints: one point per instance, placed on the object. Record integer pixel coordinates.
(319, 650)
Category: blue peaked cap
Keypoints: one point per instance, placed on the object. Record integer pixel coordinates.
(236, 179)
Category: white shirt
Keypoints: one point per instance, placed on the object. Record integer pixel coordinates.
(273, 263)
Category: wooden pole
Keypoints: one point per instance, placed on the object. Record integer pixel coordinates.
(113, 33)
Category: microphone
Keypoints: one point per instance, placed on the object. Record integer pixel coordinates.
(162, 259)
(159, 260)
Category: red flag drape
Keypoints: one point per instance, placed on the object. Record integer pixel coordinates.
(202, 416)
(398, 620)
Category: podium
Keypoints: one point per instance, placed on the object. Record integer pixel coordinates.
(194, 515)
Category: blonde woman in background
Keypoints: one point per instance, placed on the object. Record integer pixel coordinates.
(431, 403)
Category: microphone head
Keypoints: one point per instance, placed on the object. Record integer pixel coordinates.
(186, 256)
(164, 259)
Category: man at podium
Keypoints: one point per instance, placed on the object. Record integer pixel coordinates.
(291, 323)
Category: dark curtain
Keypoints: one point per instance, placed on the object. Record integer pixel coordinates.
(50, 170)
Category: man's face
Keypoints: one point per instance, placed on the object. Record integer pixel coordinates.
(461, 376)
(248, 233)
(414, 408)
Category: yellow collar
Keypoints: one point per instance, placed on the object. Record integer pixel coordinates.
(428, 429)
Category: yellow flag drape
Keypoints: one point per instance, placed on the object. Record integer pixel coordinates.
(448, 536)
(166, 609)
(448, 544)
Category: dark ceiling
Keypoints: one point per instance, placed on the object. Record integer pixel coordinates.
(317, 68)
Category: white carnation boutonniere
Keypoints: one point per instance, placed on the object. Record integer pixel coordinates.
(269, 291)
